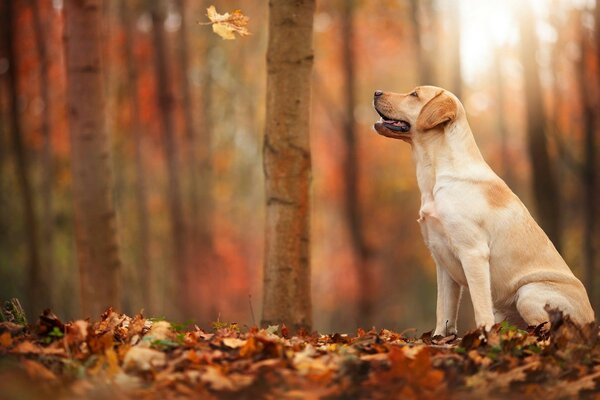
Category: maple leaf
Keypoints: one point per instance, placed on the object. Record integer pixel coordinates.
(226, 25)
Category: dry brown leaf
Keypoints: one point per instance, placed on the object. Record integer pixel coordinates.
(143, 359)
(35, 370)
(226, 25)
(6, 339)
(233, 343)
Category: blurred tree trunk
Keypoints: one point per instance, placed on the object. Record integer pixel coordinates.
(350, 168)
(198, 161)
(287, 164)
(498, 78)
(47, 165)
(95, 232)
(455, 68)
(545, 189)
(188, 120)
(37, 289)
(144, 270)
(166, 106)
(588, 170)
(421, 45)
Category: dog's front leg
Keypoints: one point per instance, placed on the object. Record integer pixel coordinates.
(448, 300)
(475, 263)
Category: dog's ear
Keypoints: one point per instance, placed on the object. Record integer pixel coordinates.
(437, 111)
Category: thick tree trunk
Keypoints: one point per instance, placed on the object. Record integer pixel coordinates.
(166, 106)
(37, 289)
(545, 189)
(95, 231)
(350, 169)
(144, 269)
(47, 164)
(287, 164)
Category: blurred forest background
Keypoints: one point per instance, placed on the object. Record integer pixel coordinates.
(185, 117)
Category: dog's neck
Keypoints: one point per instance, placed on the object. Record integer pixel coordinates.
(448, 153)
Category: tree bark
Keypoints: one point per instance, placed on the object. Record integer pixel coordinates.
(545, 189)
(287, 164)
(166, 106)
(95, 231)
(350, 170)
(37, 289)
(144, 269)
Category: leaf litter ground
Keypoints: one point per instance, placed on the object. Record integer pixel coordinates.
(121, 357)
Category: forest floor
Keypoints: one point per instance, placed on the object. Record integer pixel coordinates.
(121, 357)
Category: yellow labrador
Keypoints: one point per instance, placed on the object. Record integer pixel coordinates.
(479, 233)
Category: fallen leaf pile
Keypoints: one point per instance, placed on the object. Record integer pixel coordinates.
(122, 357)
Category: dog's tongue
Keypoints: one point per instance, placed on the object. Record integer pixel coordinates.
(401, 126)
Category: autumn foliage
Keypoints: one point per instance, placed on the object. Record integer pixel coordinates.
(121, 356)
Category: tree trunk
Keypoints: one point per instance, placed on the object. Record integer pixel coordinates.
(144, 269)
(95, 231)
(350, 168)
(498, 78)
(545, 188)
(454, 20)
(47, 164)
(166, 106)
(188, 120)
(589, 171)
(37, 289)
(287, 164)
(424, 66)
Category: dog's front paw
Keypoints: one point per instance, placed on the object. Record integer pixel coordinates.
(444, 331)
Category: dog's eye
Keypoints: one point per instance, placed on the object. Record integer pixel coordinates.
(414, 94)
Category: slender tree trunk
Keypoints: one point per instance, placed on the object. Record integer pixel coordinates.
(425, 68)
(188, 119)
(350, 168)
(455, 67)
(95, 231)
(47, 164)
(545, 189)
(144, 269)
(500, 121)
(287, 164)
(166, 105)
(37, 289)
(589, 171)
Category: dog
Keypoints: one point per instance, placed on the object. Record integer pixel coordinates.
(481, 236)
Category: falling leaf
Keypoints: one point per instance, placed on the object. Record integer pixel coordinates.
(226, 25)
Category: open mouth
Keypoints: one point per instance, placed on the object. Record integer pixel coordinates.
(396, 125)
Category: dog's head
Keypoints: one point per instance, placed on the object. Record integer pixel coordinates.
(406, 115)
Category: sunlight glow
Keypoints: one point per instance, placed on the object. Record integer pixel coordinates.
(486, 25)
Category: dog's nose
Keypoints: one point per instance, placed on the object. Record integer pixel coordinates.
(378, 93)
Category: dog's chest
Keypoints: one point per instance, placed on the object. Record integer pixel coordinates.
(437, 240)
